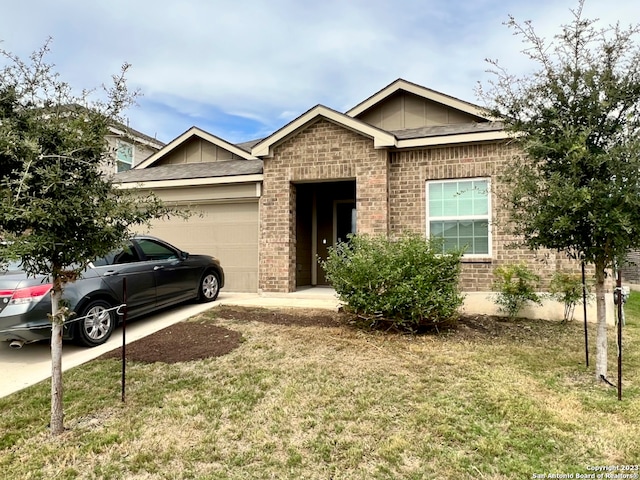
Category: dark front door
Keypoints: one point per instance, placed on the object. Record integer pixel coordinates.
(325, 237)
(345, 219)
(336, 220)
(325, 214)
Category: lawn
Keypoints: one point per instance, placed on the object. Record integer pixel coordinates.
(298, 401)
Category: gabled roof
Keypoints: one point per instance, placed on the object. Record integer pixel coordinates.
(247, 146)
(380, 137)
(186, 136)
(403, 85)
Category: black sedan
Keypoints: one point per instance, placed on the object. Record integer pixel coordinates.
(158, 275)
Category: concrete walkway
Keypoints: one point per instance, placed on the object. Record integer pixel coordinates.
(32, 363)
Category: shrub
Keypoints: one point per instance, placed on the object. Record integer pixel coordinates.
(567, 289)
(516, 286)
(407, 282)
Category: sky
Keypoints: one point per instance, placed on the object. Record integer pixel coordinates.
(241, 69)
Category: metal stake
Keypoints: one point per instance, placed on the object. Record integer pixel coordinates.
(584, 306)
(620, 302)
(124, 336)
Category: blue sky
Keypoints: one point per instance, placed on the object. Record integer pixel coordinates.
(241, 69)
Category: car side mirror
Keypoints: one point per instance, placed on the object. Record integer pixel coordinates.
(184, 255)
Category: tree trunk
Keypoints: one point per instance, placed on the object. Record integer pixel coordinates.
(601, 335)
(57, 413)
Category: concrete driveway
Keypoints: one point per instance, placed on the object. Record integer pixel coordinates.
(32, 363)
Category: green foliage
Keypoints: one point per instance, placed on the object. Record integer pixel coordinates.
(405, 281)
(577, 119)
(566, 288)
(58, 209)
(516, 286)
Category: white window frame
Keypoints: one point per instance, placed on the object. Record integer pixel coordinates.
(121, 143)
(486, 217)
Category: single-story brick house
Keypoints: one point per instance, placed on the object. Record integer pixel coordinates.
(405, 159)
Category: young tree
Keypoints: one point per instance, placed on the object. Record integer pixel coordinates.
(58, 209)
(576, 119)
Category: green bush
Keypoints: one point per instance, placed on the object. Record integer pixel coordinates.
(407, 282)
(516, 286)
(567, 289)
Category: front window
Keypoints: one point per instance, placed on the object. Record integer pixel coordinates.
(458, 213)
(124, 156)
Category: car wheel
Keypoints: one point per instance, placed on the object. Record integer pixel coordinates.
(209, 287)
(97, 324)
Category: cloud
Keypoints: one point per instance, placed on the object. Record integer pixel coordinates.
(243, 69)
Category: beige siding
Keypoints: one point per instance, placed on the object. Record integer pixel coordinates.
(207, 194)
(197, 150)
(228, 231)
(405, 110)
(224, 223)
(141, 153)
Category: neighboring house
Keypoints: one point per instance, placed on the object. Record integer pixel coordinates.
(405, 159)
(631, 269)
(131, 147)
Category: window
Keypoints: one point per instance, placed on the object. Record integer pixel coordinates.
(155, 251)
(117, 257)
(458, 213)
(124, 156)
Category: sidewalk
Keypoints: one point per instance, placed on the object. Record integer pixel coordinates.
(313, 297)
(32, 363)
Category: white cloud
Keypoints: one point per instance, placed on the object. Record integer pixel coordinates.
(208, 62)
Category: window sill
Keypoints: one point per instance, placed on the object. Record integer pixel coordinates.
(474, 260)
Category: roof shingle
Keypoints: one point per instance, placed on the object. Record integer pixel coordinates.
(186, 171)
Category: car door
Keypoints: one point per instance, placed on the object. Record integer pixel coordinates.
(175, 279)
(141, 283)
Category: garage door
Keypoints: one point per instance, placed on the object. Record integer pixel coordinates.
(228, 231)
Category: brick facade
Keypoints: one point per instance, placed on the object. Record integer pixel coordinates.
(322, 151)
(411, 169)
(390, 197)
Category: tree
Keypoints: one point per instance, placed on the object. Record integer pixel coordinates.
(58, 209)
(576, 118)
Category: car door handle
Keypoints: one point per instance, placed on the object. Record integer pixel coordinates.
(110, 273)
(158, 267)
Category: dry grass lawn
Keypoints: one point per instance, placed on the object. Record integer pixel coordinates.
(327, 400)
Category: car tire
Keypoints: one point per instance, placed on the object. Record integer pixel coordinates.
(97, 324)
(209, 287)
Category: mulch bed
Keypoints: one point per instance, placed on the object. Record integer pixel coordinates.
(182, 342)
(193, 340)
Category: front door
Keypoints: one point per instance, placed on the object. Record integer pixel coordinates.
(325, 215)
(336, 220)
(344, 219)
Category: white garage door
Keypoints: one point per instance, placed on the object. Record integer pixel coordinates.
(228, 231)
